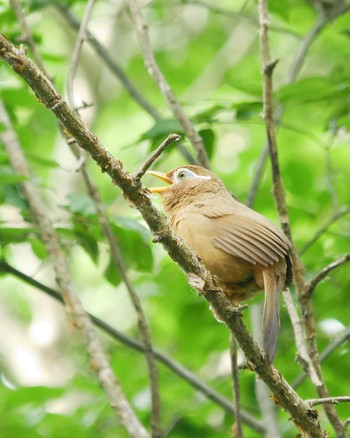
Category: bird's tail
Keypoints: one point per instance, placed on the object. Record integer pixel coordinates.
(274, 282)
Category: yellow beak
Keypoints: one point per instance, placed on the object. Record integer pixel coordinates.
(161, 176)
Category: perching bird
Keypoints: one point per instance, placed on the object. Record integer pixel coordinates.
(239, 246)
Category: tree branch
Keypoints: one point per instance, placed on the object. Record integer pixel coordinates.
(337, 342)
(98, 360)
(82, 35)
(311, 284)
(26, 36)
(164, 87)
(328, 400)
(298, 62)
(302, 415)
(117, 71)
(237, 426)
(302, 354)
(167, 361)
(334, 218)
(155, 154)
(116, 252)
(279, 196)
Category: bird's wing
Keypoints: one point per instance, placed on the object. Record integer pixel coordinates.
(251, 237)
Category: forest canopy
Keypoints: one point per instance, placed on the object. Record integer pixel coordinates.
(258, 92)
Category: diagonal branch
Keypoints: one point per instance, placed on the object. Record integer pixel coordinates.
(116, 252)
(167, 92)
(82, 35)
(98, 359)
(167, 361)
(320, 24)
(279, 196)
(311, 284)
(304, 417)
(117, 71)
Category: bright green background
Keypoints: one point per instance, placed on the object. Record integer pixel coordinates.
(212, 61)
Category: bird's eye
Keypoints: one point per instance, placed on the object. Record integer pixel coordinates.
(182, 174)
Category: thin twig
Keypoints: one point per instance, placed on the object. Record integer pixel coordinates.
(337, 342)
(82, 35)
(239, 15)
(328, 400)
(164, 87)
(284, 395)
(302, 354)
(311, 284)
(143, 326)
(317, 28)
(237, 426)
(117, 71)
(267, 406)
(178, 369)
(279, 196)
(116, 252)
(155, 154)
(98, 359)
(334, 218)
(26, 36)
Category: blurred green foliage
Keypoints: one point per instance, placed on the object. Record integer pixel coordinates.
(211, 59)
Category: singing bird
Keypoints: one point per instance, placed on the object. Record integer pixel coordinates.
(242, 248)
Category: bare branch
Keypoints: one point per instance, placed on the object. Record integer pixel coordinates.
(279, 196)
(337, 342)
(311, 284)
(152, 158)
(143, 326)
(328, 400)
(167, 92)
(239, 15)
(237, 426)
(167, 361)
(82, 35)
(286, 397)
(292, 74)
(116, 252)
(334, 218)
(99, 362)
(267, 406)
(26, 36)
(117, 70)
(302, 354)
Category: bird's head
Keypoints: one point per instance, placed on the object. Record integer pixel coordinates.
(186, 184)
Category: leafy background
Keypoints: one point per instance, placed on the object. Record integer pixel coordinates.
(209, 53)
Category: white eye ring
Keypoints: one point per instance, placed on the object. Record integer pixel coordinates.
(183, 174)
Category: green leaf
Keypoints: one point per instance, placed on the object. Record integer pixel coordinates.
(90, 245)
(7, 176)
(280, 8)
(12, 195)
(81, 203)
(43, 162)
(162, 128)
(208, 137)
(247, 110)
(135, 244)
(312, 89)
(112, 274)
(16, 235)
(38, 248)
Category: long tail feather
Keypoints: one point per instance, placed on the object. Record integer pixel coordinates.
(274, 281)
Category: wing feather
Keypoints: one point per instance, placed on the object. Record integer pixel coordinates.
(253, 240)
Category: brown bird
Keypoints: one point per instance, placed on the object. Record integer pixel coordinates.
(239, 246)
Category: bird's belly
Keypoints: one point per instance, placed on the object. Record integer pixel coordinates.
(237, 274)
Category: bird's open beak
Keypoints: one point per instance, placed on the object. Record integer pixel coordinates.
(161, 176)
